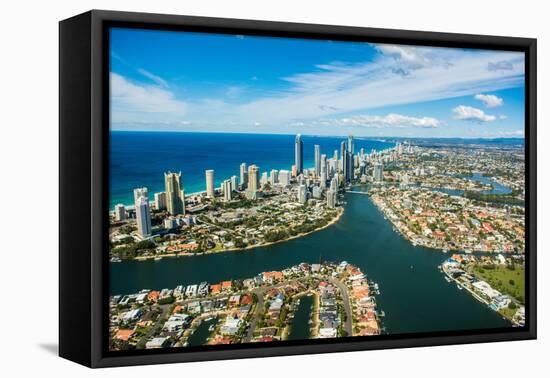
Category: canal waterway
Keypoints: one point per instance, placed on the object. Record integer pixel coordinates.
(414, 294)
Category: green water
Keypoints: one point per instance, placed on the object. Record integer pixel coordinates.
(414, 293)
(300, 324)
(201, 334)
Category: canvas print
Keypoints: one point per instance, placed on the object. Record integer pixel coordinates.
(280, 190)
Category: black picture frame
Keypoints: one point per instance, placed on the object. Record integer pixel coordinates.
(83, 181)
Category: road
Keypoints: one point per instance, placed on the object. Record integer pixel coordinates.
(257, 313)
(347, 306)
(154, 329)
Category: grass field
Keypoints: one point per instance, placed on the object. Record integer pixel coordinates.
(505, 279)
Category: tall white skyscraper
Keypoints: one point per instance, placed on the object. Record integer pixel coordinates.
(299, 154)
(334, 184)
(323, 179)
(120, 212)
(274, 177)
(174, 193)
(143, 216)
(317, 154)
(210, 183)
(227, 192)
(244, 175)
(331, 198)
(378, 172)
(302, 194)
(332, 166)
(234, 183)
(284, 177)
(160, 200)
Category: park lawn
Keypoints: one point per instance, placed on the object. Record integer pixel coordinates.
(502, 278)
(507, 312)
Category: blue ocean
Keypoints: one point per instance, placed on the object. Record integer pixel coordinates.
(140, 158)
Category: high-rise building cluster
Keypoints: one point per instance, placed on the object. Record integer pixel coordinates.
(325, 179)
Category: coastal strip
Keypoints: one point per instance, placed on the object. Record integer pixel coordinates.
(461, 269)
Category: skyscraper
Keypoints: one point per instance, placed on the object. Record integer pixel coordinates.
(210, 183)
(323, 179)
(344, 160)
(351, 146)
(274, 177)
(244, 176)
(284, 177)
(253, 178)
(317, 153)
(349, 167)
(174, 193)
(378, 172)
(120, 212)
(160, 200)
(143, 216)
(334, 184)
(234, 183)
(299, 154)
(265, 178)
(302, 194)
(331, 198)
(227, 192)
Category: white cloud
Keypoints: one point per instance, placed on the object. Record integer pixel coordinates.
(490, 101)
(512, 133)
(157, 79)
(415, 57)
(340, 88)
(468, 113)
(397, 75)
(391, 120)
(131, 102)
(501, 65)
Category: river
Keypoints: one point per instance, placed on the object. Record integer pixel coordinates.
(414, 294)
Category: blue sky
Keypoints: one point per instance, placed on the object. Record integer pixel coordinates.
(179, 81)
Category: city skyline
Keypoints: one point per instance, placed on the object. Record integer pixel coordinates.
(200, 82)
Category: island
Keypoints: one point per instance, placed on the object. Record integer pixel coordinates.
(305, 301)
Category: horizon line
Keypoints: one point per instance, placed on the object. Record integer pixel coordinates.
(320, 136)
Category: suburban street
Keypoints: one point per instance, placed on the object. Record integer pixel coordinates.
(347, 306)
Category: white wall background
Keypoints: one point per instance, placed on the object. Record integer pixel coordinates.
(29, 189)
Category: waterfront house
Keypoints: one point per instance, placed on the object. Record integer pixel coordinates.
(124, 334)
(157, 342)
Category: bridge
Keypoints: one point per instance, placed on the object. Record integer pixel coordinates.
(356, 192)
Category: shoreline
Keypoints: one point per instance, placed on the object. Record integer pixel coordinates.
(475, 295)
(420, 244)
(169, 255)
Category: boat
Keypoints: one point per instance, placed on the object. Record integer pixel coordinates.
(157, 258)
(211, 328)
(459, 287)
(447, 279)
